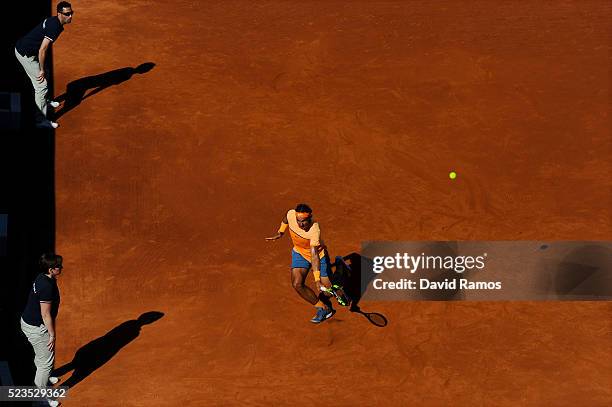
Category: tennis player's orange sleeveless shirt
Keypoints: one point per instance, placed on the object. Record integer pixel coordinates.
(304, 240)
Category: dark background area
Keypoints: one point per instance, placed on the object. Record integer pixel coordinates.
(27, 195)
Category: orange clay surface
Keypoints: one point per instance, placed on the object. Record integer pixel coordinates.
(168, 183)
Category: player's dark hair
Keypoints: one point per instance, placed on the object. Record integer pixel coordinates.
(50, 261)
(62, 5)
(303, 208)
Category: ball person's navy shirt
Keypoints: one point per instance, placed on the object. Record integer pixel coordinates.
(29, 45)
(43, 289)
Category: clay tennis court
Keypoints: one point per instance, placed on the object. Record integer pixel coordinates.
(169, 178)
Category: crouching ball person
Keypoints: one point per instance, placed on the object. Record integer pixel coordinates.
(309, 252)
(31, 52)
(38, 318)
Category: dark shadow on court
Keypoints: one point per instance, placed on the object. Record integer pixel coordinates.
(584, 274)
(96, 353)
(81, 89)
(27, 195)
(348, 274)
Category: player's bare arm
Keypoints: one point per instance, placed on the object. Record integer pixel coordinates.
(281, 230)
(316, 267)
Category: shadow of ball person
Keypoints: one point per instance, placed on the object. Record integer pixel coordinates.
(77, 91)
(99, 351)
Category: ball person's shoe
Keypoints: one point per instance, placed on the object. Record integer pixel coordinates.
(47, 124)
(53, 379)
(54, 104)
(322, 315)
(53, 403)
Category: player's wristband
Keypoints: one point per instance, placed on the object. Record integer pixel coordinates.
(282, 228)
(317, 275)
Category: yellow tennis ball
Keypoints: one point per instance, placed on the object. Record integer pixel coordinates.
(452, 175)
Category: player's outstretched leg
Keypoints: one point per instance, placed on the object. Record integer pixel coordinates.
(325, 310)
(298, 277)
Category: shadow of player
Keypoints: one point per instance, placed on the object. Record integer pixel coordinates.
(99, 351)
(584, 274)
(77, 91)
(348, 274)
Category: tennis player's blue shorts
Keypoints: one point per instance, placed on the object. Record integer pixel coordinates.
(298, 261)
